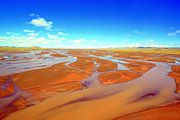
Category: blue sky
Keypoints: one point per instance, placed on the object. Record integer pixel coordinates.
(90, 23)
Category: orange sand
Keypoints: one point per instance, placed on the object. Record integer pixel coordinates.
(147, 56)
(117, 77)
(105, 65)
(16, 105)
(46, 91)
(138, 66)
(57, 73)
(84, 63)
(170, 112)
(42, 83)
(9, 88)
(176, 75)
(57, 55)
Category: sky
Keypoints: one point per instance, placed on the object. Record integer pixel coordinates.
(90, 23)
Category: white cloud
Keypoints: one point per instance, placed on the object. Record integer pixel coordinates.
(79, 41)
(151, 41)
(25, 41)
(76, 41)
(146, 43)
(33, 34)
(52, 36)
(156, 45)
(83, 43)
(33, 15)
(9, 33)
(12, 33)
(174, 33)
(33, 41)
(61, 33)
(28, 31)
(1, 39)
(171, 34)
(151, 44)
(134, 45)
(41, 40)
(41, 22)
(55, 37)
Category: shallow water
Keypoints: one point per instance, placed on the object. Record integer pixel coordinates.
(16, 63)
(112, 59)
(177, 62)
(93, 79)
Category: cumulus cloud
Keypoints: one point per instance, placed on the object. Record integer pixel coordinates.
(55, 37)
(174, 33)
(151, 40)
(156, 45)
(12, 33)
(134, 45)
(79, 41)
(84, 43)
(9, 33)
(61, 33)
(31, 39)
(1, 39)
(28, 31)
(52, 36)
(33, 34)
(41, 40)
(41, 22)
(146, 45)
